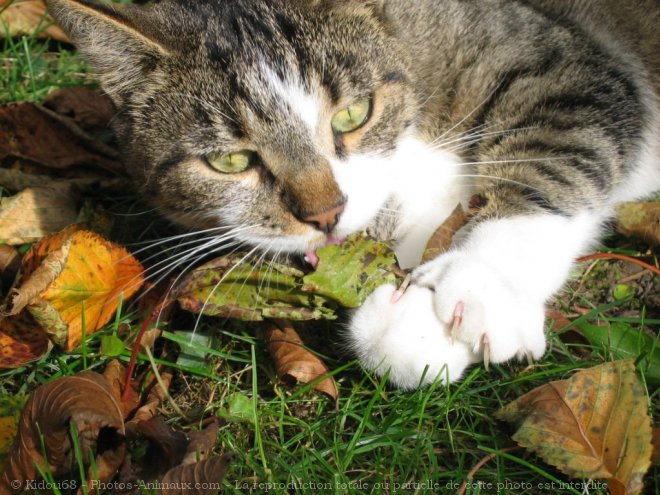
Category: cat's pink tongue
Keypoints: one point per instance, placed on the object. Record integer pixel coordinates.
(312, 258)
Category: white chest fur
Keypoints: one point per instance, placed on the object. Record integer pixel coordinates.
(424, 183)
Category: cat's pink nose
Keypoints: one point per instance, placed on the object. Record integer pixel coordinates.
(326, 220)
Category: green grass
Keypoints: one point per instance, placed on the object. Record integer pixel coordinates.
(30, 69)
(292, 440)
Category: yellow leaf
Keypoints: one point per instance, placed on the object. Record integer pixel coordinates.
(26, 16)
(10, 412)
(594, 425)
(640, 219)
(72, 271)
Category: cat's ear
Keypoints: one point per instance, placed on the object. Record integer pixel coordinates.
(112, 38)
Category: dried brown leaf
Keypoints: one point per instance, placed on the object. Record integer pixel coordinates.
(155, 398)
(32, 132)
(204, 476)
(26, 17)
(639, 219)
(115, 374)
(35, 213)
(22, 341)
(294, 361)
(87, 401)
(594, 425)
(442, 238)
(90, 109)
(166, 444)
(201, 443)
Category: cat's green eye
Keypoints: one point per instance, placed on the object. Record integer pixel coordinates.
(231, 163)
(352, 117)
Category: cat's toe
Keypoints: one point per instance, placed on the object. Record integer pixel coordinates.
(484, 310)
(406, 339)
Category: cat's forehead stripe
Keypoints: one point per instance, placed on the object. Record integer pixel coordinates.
(295, 97)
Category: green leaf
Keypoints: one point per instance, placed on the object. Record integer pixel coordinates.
(349, 272)
(111, 346)
(236, 287)
(239, 409)
(627, 342)
(249, 289)
(622, 291)
(193, 355)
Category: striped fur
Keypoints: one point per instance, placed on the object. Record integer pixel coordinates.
(546, 109)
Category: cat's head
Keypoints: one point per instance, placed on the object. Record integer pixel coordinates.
(276, 117)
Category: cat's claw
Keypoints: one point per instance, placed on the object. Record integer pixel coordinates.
(398, 293)
(458, 319)
(482, 307)
(485, 342)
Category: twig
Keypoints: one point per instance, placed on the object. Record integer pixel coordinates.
(622, 257)
(632, 277)
(162, 385)
(94, 143)
(134, 354)
(154, 317)
(478, 466)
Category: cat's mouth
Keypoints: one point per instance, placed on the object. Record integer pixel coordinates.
(310, 255)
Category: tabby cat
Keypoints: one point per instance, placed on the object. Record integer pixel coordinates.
(293, 123)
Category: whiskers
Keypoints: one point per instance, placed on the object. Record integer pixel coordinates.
(263, 247)
(184, 251)
(187, 250)
(465, 140)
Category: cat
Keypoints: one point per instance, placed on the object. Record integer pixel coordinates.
(293, 123)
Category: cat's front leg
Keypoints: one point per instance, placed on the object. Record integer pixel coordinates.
(484, 299)
(405, 339)
(492, 289)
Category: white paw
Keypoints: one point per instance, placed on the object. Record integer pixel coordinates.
(405, 338)
(484, 306)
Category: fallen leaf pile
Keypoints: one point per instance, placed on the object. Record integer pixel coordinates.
(50, 152)
(35, 133)
(104, 423)
(594, 425)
